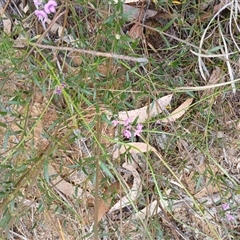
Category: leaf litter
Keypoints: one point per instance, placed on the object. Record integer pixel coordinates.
(133, 149)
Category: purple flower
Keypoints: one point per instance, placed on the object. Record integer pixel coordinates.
(225, 206)
(139, 130)
(58, 89)
(127, 122)
(229, 217)
(115, 123)
(50, 7)
(127, 133)
(41, 15)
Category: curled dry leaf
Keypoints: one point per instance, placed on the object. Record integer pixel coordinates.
(177, 113)
(144, 113)
(135, 190)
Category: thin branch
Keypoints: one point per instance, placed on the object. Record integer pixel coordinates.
(91, 52)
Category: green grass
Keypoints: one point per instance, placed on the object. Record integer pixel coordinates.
(190, 176)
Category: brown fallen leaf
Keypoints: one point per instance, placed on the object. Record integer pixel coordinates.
(165, 15)
(136, 31)
(177, 113)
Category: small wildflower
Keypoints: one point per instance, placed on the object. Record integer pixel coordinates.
(117, 36)
(127, 122)
(158, 122)
(225, 206)
(50, 7)
(115, 123)
(58, 89)
(229, 217)
(127, 133)
(139, 130)
(41, 15)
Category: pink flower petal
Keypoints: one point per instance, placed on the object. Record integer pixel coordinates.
(229, 217)
(139, 127)
(58, 89)
(50, 7)
(137, 133)
(139, 130)
(41, 15)
(115, 123)
(225, 206)
(127, 133)
(127, 122)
